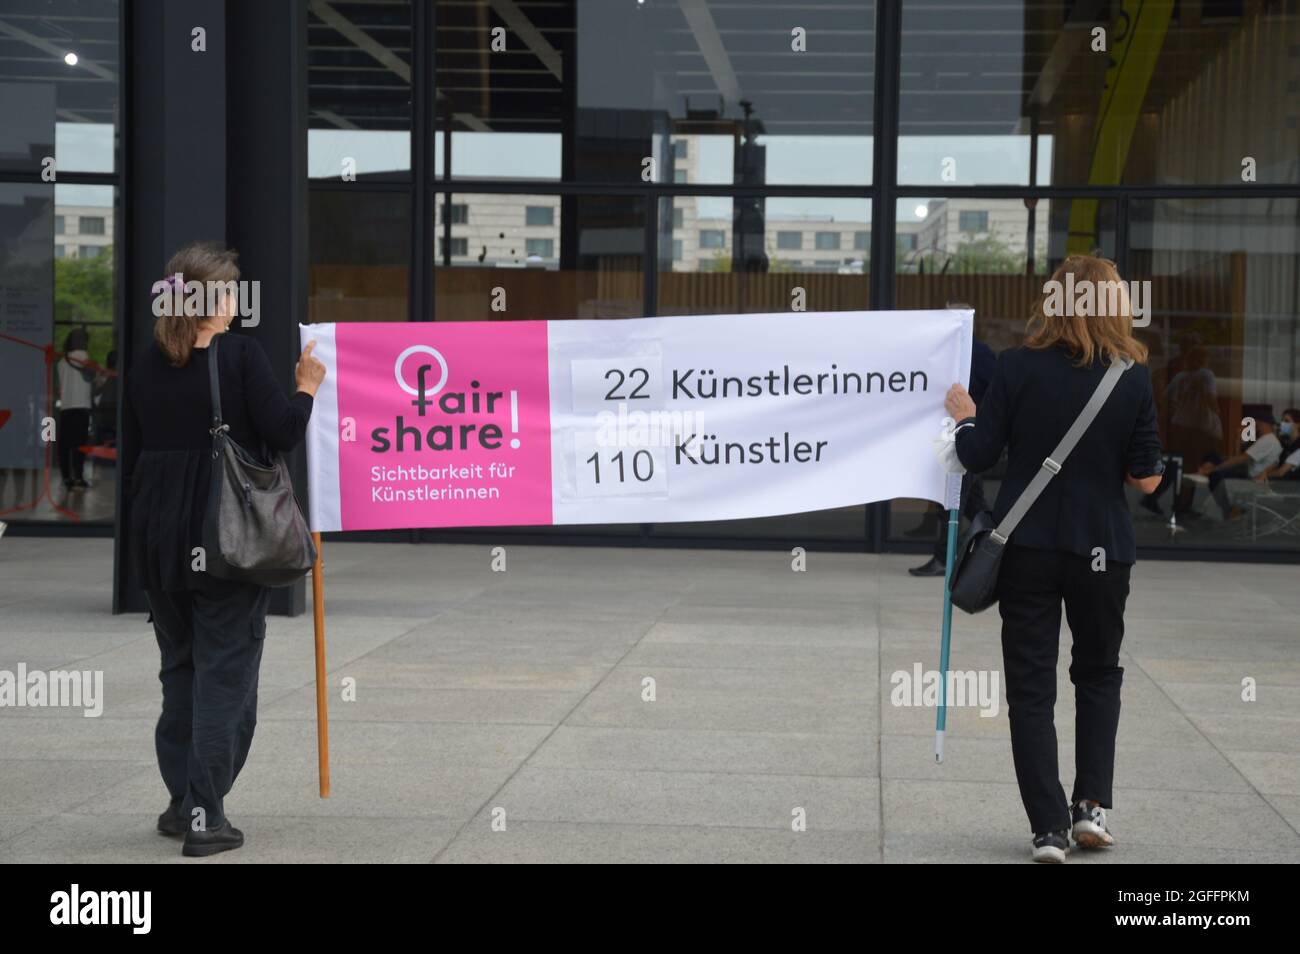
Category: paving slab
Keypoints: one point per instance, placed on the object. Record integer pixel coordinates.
(485, 696)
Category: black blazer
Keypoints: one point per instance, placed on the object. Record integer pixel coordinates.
(983, 362)
(168, 469)
(1031, 402)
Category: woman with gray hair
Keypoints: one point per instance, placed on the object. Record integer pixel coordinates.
(209, 630)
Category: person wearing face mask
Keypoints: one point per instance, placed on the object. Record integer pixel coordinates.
(1288, 465)
(1260, 457)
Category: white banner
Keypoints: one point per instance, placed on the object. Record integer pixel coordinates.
(630, 421)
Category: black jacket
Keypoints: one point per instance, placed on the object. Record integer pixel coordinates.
(166, 418)
(983, 362)
(1031, 402)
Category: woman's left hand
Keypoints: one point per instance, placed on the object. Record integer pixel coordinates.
(958, 403)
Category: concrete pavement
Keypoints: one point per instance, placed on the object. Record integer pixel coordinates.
(520, 698)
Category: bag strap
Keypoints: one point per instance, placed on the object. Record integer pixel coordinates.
(1051, 466)
(214, 387)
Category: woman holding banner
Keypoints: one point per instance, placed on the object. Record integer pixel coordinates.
(209, 631)
(1075, 545)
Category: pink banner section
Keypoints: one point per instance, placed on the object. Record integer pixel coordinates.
(444, 425)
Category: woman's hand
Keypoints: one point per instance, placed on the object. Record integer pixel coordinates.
(309, 372)
(958, 403)
(1147, 485)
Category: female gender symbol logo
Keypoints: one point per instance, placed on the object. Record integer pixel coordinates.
(420, 349)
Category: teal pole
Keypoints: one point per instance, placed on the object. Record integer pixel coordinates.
(941, 722)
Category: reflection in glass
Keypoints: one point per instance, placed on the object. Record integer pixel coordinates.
(359, 90)
(1225, 346)
(69, 307)
(1038, 92)
(705, 92)
(992, 255)
(59, 79)
(360, 256)
(519, 257)
(721, 255)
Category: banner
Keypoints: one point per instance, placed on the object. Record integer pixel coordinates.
(648, 420)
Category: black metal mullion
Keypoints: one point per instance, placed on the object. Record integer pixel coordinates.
(1098, 191)
(884, 136)
(20, 177)
(1122, 210)
(123, 341)
(443, 199)
(650, 257)
(359, 185)
(560, 187)
(885, 153)
(420, 297)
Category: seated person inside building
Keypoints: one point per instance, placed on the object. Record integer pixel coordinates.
(1288, 465)
(1259, 456)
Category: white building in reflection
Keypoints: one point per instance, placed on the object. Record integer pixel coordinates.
(82, 231)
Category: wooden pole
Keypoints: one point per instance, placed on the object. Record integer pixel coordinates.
(322, 704)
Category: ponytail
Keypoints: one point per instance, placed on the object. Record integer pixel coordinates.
(176, 335)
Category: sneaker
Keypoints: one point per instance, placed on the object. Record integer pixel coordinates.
(200, 844)
(1090, 826)
(1050, 847)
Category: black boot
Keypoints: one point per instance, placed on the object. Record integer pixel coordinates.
(200, 844)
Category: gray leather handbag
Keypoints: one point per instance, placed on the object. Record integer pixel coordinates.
(253, 529)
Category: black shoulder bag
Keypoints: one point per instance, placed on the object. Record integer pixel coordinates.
(979, 558)
(253, 529)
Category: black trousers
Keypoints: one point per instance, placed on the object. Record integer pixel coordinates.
(972, 502)
(1031, 588)
(74, 430)
(211, 645)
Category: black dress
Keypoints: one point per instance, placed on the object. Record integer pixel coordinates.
(166, 418)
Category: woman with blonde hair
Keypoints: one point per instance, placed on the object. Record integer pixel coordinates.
(1075, 544)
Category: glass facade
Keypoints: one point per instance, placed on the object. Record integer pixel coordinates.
(505, 257)
(712, 92)
(60, 88)
(1046, 92)
(590, 159)
(1225, 346)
